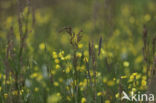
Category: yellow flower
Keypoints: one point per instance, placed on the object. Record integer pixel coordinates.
(103, 52)
(144, 77)
(68, 57)
(36, 89)
(5, 95)
(61, 54)
(58, 94)
(134, 74)
(39, 77)
(134, 89)
(104, 80)
(54, 55)
(62, 58)
(143, 83)
(4, 76)
(117, 95)
(110, 83)
(57, 66)
(15, 92)
(55, 98)
(56, 84)
(42, 46)
(34, 75)
(86, 53)
(131, 78)
(147, 17)
(81, 84)
(107, 101)
(126, 64)
(21, 91)
(80, 46)
(99, 93)
(96, 46)
(138, 76)
(53, 72)
(67, 70)
(82, 68)
(67, 88)
(118, 81)
(57, 61)
(123, 77)
(7, 82)
(78, 54)
(83, 100)
(86, 59)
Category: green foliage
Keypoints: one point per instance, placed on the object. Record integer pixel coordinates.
(45, 57)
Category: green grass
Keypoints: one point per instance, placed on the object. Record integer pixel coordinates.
(77, 53)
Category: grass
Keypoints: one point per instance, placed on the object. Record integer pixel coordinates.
(70, 65)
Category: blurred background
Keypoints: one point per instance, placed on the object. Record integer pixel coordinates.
(122, 19)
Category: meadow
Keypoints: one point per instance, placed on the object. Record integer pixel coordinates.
(77, 51)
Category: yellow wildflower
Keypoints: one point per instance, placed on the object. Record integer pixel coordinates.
(126, 64)
(86, 59)
(55, 98)
(68, 57)
(96, 46)
(78, 54)
(67, 70)
(54, 55)
(134, 89)
(143, 83)
(117, 95)
(42, 46)
(15, 92)
(58, 94)
(144, 77)
(53, 72)
(86, 53)
(99, 93)
(83, 100)
(56, 84)
(107, 101)
(147, 17)
(110, 83)
(80, 46)
(5, 95)
(104, 80)
(21, 91)
(36, 89)
(123, 77)
(57, 66)
(34, 75)
(61, 54)
(57, 61)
